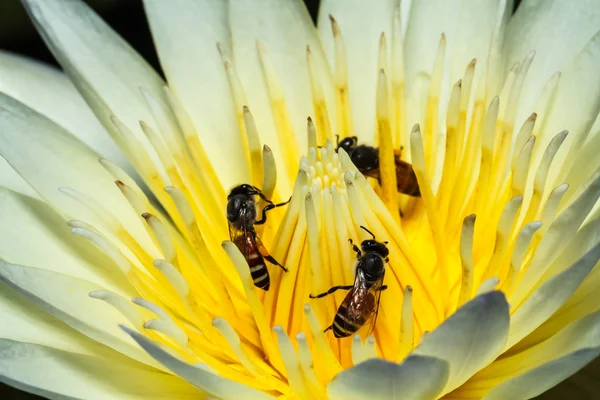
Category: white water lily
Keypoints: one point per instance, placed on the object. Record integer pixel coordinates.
(112, 291)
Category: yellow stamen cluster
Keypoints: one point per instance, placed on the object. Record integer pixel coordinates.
(486, 220)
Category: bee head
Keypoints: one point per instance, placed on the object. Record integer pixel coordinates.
(348, 143)
(373, 246)
(244, 189)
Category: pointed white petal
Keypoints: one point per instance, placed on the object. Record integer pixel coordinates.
(284, 29)
(581, 385)
(361, 24)
(553, 242)
(548, 298)
(50, 92)
(513, 369)
(468, 27)
(470, 338)
(104, 68)
(24, 321)
(557, 30)
(34, 234)
(48, 158)
(537, 381)
(61, 374)
(557, 359)
(576, 105)
(204, 380)
(186, 34)
(9, 178)
(418, 377)
(67, 298)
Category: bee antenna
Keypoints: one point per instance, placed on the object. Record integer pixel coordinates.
(370, 233)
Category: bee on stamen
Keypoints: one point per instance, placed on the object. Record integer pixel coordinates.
(361, 304)
(366, 159)
(241, 217)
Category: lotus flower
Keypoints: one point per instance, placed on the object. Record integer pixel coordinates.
(119, 279)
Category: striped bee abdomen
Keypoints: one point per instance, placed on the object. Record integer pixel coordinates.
(258, 271)
(343, 326)
(256, 262)
(352, 314)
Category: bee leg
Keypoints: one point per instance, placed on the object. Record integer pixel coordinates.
(264, 214)
(331, 290)
(355, 248)
(383, 287)
(268, 207)
(387, 260)
(265, 253)
(270, 259)
(330, 327)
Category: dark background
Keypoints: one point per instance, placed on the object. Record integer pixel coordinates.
(18, 35)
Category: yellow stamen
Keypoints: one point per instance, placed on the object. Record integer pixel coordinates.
(343, 111)
(387, 166)
(466, 258)
(406, 342)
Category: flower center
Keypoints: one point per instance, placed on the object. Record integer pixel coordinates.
(455, 241)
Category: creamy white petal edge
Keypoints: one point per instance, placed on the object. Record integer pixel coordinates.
(75, 375)
(557, 30)
(417, 377)
(50, 92)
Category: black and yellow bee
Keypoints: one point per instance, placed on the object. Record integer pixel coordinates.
(241, 216)
(366, 159)
(361, 304)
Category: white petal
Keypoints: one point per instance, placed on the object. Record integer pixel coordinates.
(285, 29)
(580, 335)
(56, 373)
(544, 301)
(576, 105)
(583, 241)
(67, 298)
(468, 26)
(553, 242)
(417, 377)
(470, 338)
(361, 24)
(537, 381)
(207, 381)
(50, 92)
(106, 70)
(581, 385)
(570, 350)
(557, 30)
(24, 321)
(49, 158)
(9, 178)
(473, 36)
(186, 34)
(34, 234)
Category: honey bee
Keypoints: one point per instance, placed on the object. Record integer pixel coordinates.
(361, 304)
(241, 216)
(366, 159)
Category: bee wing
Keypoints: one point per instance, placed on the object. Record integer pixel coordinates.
(375, 291)
(359, 302)
(239, 238)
